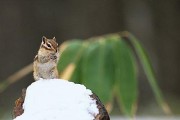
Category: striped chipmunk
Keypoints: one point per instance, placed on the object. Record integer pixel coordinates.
(45, 62)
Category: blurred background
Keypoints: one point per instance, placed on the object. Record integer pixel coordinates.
(155, 22)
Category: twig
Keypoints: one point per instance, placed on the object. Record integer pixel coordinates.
(15, 77)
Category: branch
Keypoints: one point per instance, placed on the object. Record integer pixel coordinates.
(16, 77)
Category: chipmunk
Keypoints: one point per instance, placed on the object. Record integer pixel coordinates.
(45, 62)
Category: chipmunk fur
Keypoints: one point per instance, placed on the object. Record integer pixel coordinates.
(45, 62)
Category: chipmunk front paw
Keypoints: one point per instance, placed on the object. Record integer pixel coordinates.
(53, 57)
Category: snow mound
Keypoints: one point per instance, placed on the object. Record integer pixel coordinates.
(57, 99)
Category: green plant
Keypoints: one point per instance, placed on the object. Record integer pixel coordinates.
(107, 66)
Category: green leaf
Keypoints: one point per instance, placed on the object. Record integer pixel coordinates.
(145, 61)
(68, 52)
(97, 69)
(76, 76)
(126, 79)
(69, 59)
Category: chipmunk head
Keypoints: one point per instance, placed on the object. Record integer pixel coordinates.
(49, 44)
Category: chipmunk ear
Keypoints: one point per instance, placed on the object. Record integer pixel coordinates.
(54, 38)
(44, 39)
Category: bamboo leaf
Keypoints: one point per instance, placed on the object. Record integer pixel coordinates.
(126, 80)
(76, 76)
(146, 64)
(70, 56)
(97, 70)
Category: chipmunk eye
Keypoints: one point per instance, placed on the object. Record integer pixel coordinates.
(49, 45)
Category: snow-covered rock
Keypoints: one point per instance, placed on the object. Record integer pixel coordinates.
(57, 99)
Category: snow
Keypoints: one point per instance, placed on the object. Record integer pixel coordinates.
(57, 99)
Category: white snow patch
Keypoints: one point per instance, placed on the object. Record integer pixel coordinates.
(57, 99)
